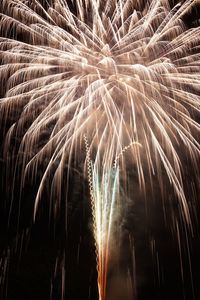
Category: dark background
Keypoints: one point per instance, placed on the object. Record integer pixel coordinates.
(38, 258)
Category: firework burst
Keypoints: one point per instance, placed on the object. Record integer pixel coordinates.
(119, 76)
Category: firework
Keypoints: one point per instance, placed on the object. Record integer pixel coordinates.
(119, 76)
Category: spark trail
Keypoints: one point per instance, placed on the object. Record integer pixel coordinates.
(119, 72)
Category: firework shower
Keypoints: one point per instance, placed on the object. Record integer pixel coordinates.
(100, 104)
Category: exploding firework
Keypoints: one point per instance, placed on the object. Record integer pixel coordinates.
(116, 79)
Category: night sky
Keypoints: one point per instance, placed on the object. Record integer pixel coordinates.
(35, 255)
